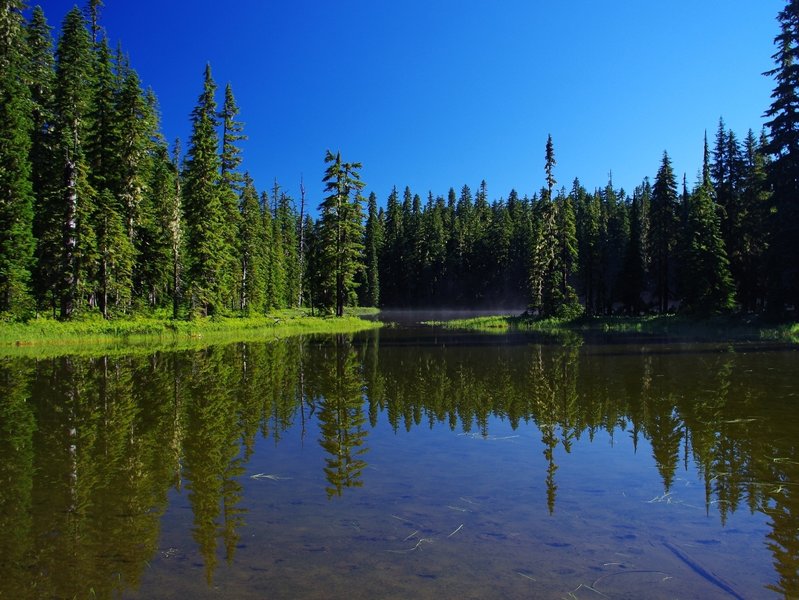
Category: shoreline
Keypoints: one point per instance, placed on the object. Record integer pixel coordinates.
(718, 327)
(39, 337)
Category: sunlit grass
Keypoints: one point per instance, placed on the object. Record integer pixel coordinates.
(50, 336)
(715, 327)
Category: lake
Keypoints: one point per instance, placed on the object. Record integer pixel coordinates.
(408, 462)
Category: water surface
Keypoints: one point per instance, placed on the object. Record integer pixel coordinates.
(405, 462)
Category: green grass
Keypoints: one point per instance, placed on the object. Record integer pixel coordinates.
(49, 336)
(490, 324)
(716, 327)
(785, 333)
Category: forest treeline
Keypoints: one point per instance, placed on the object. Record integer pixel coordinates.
(99, 213)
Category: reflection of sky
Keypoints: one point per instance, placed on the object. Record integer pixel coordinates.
(442, 511)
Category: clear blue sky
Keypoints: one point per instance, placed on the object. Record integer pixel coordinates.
(441, 93)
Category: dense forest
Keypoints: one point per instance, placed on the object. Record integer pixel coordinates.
(99, 213)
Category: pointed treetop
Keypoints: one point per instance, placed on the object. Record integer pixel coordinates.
(549, 165)
(706, 163)
(93, 16)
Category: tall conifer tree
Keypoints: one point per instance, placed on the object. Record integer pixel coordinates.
(45, 175)
(755, 199)
(253, 249)
(75, 199)
(635, 258)
(373, 238)
(664, 221)
(230, 189)
(783, 169)
(706, 283)
(16, 191)
(341, 232)
(115, 255)
(204, 213)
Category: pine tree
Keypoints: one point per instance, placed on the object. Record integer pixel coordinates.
(93, 17)
(274, 275)
(44, 174)
(390, 262)
(549, 166)
(301, 245)
(616, 223)
(435, 236)
(373, 238)
(230, 189)
(544, 279)
(155, 265)
(706, 286)
(173, 220)
(497, 248)
(520, 248)
(138, 126)
(286, 222)
(16, 191)
(664, 221)
(635, 259)
(253, 248)
(341, 232)
(115, 255)
(312, 273)
(587, 215)
(408, 272)
(104, 136)
(73, 84)
(566, 304)
(205, 215)
(755, 199)
(278, 278)
(783, 169)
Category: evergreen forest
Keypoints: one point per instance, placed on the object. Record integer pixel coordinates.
(99, 213)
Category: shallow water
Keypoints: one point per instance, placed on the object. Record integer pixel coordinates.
(408, 462)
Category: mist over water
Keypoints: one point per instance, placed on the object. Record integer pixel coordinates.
(412, 316)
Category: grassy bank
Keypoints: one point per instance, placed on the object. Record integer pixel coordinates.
(48, 336)
(719, 327)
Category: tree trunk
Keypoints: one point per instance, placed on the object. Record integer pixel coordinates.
(69, 276)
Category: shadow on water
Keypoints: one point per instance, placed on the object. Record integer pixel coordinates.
(125, 475)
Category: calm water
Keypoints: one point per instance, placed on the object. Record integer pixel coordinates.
(404, 463)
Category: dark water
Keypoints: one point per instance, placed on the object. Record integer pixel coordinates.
(404, 463)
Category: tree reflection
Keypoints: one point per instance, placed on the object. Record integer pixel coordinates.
(17, 427)
(91, 447)
(340, 388)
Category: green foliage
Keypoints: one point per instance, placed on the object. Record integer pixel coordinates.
(286, 222)
(254, 249)
(204, 211)
(73, 201)
(663, 222)
(81, 154)
(783, 169)
(707, 286)
(91, 333)
(341, 417)
(369, 290)
(340, 233)
(230, 188)
(115, 256)
(636, 257)
(16, 190)
(44, 172)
